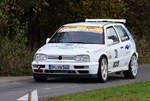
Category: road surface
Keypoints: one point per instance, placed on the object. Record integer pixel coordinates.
(11, 88)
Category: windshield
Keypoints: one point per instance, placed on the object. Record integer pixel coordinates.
(79, 35)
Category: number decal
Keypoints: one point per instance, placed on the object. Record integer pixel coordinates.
(116, 64)
(116, 53)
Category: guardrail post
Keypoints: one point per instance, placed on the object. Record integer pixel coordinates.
(29, 96)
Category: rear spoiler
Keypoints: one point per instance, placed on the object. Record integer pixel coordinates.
(106, 20)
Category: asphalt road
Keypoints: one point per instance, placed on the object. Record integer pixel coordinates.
(11, 88)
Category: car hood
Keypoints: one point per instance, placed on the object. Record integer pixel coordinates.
(69, 48)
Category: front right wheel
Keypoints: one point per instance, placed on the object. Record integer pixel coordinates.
(133, 68)
(103, 70)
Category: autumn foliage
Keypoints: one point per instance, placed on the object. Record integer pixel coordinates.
(25, 25)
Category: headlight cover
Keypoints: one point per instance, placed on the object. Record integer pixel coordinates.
(40, 57)
(82, 58)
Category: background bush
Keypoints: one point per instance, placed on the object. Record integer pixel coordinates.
(15, 57)
(25, 25)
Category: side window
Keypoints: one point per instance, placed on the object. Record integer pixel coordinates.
(122, 33)
(111, 34)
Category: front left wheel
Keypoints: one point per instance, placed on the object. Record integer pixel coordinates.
(103, 70)
(39, 79)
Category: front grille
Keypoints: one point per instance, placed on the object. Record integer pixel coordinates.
(83, 71)
(60, 71)
(41, 66)
(81, 67)
(38, 71)
(67, 71)
(64, 57)
(52, 57)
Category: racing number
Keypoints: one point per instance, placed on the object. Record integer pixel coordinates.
(116, 53)
(116, 64)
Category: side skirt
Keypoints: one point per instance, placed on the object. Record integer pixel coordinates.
(118, 69)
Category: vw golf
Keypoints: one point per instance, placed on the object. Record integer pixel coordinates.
(94, 48)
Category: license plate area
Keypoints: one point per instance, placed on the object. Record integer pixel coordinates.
(59, 67)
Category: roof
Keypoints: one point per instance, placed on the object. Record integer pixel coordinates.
(106, 20)
(97, 22)
(94, 24)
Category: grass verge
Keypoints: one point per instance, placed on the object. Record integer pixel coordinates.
(130, 92)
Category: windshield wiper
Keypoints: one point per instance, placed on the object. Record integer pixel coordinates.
(75, 42)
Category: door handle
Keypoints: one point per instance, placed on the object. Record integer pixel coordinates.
(121, 47)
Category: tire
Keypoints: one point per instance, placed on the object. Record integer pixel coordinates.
(39, 79)
(103, 70)
(133, 68)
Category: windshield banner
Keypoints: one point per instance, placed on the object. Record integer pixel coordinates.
(81, 28)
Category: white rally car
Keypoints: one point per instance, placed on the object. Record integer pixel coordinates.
(93, 48)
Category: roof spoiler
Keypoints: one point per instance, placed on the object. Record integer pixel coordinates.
(106, 20)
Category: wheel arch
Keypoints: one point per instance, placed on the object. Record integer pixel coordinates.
(103, 56)
(134, 53)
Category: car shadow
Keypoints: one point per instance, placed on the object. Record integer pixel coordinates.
(111, 78)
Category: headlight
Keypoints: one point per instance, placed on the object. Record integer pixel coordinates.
(40, 57)
(82, 58)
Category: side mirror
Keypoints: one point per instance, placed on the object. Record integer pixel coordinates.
(47, 40)
(110, 41)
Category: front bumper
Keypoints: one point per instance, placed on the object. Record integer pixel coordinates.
(65, 75)
(75, 69)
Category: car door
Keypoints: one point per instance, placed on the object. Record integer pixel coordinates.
(125, 44)
(113, 50)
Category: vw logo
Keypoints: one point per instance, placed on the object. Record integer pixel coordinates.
(60, 57)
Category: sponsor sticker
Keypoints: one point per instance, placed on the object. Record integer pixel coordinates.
(127, 47)
(81, 28)
(116, 64)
